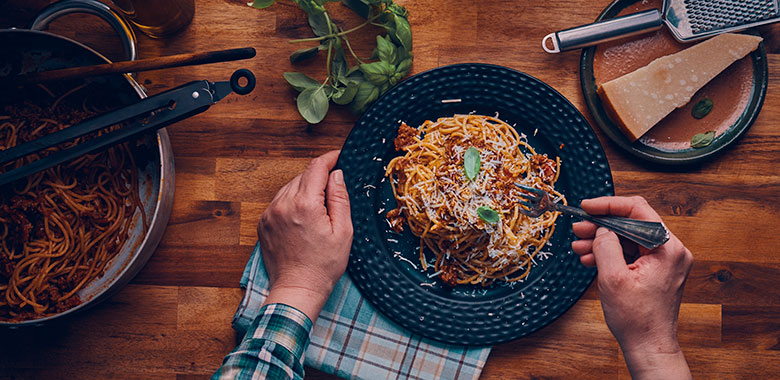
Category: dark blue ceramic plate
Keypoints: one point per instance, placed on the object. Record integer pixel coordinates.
(385, 266)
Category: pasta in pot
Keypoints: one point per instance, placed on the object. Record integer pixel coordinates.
(59, 228)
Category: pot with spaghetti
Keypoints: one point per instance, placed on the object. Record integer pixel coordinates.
(455, 189)
(73, 234)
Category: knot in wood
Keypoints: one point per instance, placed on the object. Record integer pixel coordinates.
(723, 275)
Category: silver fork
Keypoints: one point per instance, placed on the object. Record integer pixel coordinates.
(647, 234)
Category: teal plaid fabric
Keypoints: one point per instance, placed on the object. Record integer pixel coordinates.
(351, 339)
(272, 347)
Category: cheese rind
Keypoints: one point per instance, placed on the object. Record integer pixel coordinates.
(640, 99)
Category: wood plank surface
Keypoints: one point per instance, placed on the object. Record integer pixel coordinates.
(173, 320)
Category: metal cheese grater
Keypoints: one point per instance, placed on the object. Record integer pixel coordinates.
(688, 20)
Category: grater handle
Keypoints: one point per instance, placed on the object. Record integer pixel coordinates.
(602, 31)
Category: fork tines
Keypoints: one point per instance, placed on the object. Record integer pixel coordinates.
(533, 190)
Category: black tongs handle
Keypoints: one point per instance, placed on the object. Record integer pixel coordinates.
(152, 113)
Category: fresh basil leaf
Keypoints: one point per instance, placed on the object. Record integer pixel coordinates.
(313, 104)
(310, 6)
(488, 214)
(260, 4)
(700, 140)
(338, 64)
(387, 21)
(358, 7)
(304, 54)
(377, 73)
(319, 24)
(347, 95)
(702, 108)
(404, 67)
(366, 93)
(403, 31)
(398, 10)
(300, 81)
(385, 50)
(471, 162)
(394, 79)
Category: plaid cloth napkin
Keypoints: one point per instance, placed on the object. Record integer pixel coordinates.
(351, 339)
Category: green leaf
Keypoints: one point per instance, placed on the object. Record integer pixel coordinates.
(357, 6)
(700, 140)
(338, 64)
(303, 54)
(260, 4)
(313, 104)
(471, 162)
(394, 79)
(310, 6)
(404, 67)
(385, 50)
(319, 24)
(398, 10)
(702, 108)
(488, 214)
(300, 81)
(402, 54)
(348, 94)
(403, 31)
(377, 73)
(366, 93)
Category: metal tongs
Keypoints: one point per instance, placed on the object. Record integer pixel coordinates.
(152, 113)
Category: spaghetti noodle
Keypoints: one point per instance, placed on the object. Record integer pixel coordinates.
(444, 207)
(59, 228)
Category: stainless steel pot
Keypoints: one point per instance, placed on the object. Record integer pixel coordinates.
(35, 50)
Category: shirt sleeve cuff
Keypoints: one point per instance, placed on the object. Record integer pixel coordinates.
(284, 325)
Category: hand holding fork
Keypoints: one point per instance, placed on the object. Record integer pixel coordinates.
(647, 234)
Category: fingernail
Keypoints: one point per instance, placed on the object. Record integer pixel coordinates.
(338, 177)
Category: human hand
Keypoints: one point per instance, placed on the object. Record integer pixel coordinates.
(305, 236)
(641, 300)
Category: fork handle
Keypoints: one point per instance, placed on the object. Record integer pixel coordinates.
(647, 234)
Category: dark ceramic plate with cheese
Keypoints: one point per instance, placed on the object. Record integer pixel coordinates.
(735, 95)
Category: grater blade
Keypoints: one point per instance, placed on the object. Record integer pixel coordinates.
(690, 20)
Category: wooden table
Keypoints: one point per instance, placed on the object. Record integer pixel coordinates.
(173, 320)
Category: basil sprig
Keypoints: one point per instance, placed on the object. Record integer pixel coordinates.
(360, 84)
(488, 214)
(471, 163)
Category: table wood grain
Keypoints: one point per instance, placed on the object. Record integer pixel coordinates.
(173, 320)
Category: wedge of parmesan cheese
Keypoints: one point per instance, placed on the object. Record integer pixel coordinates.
(640, 99)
